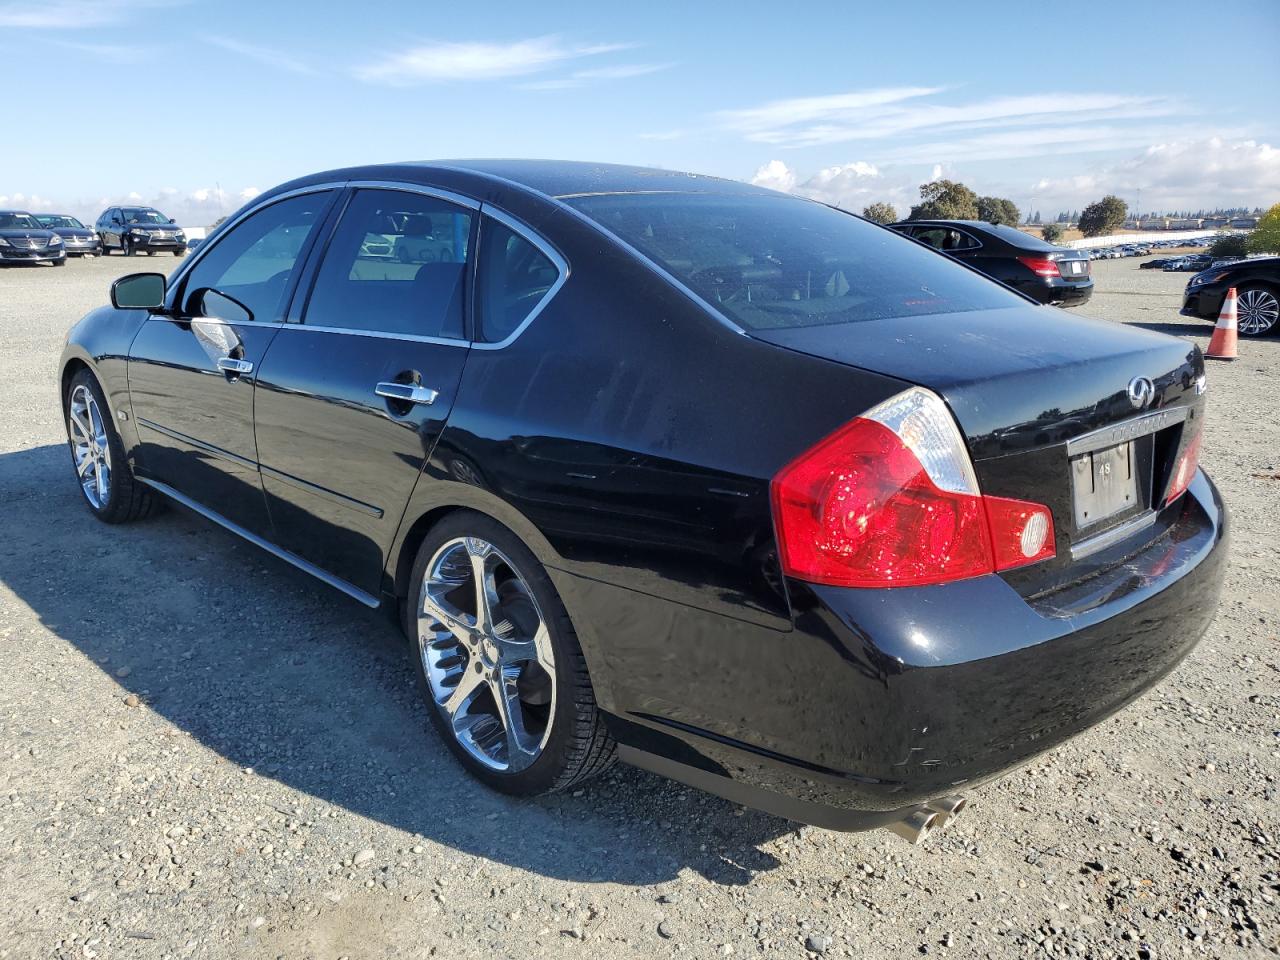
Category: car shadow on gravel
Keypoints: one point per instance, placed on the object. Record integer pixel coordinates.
(278, 673)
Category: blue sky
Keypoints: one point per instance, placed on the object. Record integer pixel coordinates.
(194, 105)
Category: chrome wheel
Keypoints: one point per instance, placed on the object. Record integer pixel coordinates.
(487, 654)
(89, 446)
(1259, 311)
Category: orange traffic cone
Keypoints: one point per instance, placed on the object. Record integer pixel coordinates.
(1222, 345)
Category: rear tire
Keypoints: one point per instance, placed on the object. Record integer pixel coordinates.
(98, 458)
(559, 737)
(1258, 310)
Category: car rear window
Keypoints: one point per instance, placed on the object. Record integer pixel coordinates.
(775, 261)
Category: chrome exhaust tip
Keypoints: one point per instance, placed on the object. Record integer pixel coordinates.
(916, 825)
(947, 809)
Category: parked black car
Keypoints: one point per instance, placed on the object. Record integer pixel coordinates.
(78, 240)
(724, 483)
(139, 230)
(24, 240)
(1045, 273)
(1257, 284)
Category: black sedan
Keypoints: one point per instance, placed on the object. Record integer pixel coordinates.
(79, 240)
(727, 484)
(1257, 285)
(24, 240)
(1045, 273)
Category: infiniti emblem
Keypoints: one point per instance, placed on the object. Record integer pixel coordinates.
(1141, 390)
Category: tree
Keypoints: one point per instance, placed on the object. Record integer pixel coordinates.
(945, 200)
(1051, 232)
(1229, 245)
(880, 213)
(998, 210)
(1266, 237)
(1105, 216)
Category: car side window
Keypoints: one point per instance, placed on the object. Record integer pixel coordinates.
(945, 238)
(253, 261)
(514, 277)
(396, 264)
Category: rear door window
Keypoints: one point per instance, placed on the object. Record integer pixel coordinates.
(769, 262)
(396, 264)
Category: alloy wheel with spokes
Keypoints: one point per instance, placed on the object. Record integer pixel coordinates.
(1259, 310)
(487, 654)
(90, 446)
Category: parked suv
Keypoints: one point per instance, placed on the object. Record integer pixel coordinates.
(139, 230)
(1043, 272)
(23, 240)
(1257, 284)
(79, 240)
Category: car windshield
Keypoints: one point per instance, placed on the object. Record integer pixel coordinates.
(770, 261)
(62, 223)
(134, 215)
(19, 221)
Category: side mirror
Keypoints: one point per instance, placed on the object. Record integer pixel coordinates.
(171, 220)
(219, 306)
(139, 291)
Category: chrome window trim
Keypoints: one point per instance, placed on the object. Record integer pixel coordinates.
(545, 248)
(381, 335)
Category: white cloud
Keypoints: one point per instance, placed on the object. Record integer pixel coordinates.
(442, 61)
(248, 193)
(582, 77)
(1187, 173)
(265, 55)
(662, 135)
(775, 175)
(907, 112)
(850, 186)
(72, 14)
(191, 208)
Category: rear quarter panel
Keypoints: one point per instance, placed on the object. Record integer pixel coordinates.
(630, 437)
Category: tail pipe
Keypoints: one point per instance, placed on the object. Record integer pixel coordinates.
(922, 821)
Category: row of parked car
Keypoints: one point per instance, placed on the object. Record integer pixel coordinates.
(53, 237)
(1121, 250)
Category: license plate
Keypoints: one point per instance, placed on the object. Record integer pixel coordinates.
(1103, 484)
(1075, 267)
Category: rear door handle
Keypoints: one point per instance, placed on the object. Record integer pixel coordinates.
(406, 392)
(232, 365)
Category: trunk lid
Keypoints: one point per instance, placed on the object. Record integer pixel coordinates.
(1043, 399)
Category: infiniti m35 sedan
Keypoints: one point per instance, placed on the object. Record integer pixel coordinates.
(724, 483)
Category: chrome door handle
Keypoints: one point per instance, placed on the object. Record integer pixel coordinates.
(232, 365)
(406, 392)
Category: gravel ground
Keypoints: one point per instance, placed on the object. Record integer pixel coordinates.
(206, 753)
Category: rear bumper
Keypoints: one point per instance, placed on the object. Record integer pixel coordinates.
(917, 693)
(1068, 293)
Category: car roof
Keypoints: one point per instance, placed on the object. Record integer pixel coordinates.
(22, 213)
(553, 178)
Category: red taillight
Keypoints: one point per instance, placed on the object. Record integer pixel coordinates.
(1185, 470)
(1041, 266)
(895, 503)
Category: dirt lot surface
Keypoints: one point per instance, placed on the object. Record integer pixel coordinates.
(207, 754)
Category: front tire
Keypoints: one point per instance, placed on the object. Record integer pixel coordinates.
(126, 247)
(98, 457)
(1258, 310)
(498, 661)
